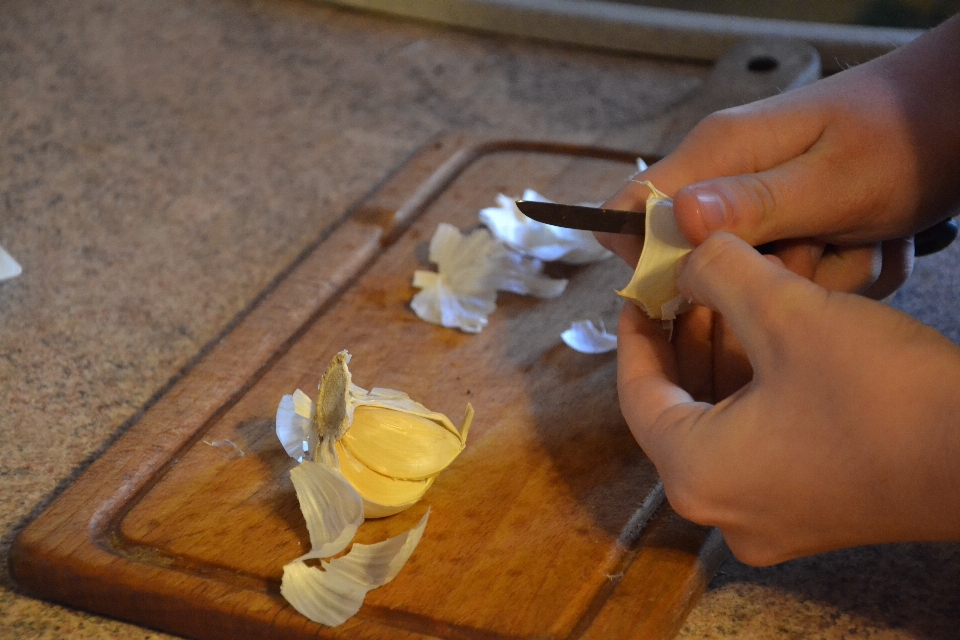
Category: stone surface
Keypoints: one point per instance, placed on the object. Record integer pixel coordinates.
(161, 163)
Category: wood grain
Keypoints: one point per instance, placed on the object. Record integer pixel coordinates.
(527, 526)
(537, 529)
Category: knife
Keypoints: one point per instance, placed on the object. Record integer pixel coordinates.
(575, 216)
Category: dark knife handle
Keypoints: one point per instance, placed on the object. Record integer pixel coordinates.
(936, 238)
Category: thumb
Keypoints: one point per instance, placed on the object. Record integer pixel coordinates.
(757, 297)
(791, 200)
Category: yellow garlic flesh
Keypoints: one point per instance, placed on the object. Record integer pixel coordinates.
(401, 445)
(654, 284)
(382, 495)
(388, 447)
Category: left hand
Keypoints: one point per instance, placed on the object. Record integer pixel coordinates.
(846, 435)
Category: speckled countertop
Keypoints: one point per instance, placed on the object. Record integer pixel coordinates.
(160, 163)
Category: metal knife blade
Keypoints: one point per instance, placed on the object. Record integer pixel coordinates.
(574, 216)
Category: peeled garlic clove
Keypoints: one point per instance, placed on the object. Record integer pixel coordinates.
(400, 445)
(654, 284)
(331, 506)
(334, 593)
(382, 495)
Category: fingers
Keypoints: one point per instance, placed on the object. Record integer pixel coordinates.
(626, 246)
(897, 265)
(646, 376)
(755, 295)
(693, 345)
(731, 365)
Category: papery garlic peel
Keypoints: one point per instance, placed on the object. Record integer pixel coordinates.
(654, 284)
(388, 447)
(333, 592)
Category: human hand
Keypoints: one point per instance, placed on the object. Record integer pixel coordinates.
(866, 156)
(848, 433)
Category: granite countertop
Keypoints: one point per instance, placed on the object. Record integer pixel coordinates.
(162, 162)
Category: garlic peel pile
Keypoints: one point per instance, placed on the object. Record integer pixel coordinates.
(586, 336)
(9, 268)
(543, 241)
(654, 284)
(334, 592)
(471, 269)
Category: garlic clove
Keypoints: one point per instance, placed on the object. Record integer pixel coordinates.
(399, 444)
(391, 459)
(332, 508)
(334, 593)
(654, 284)
(382, 495)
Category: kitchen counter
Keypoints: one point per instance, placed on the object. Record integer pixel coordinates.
(161, 163)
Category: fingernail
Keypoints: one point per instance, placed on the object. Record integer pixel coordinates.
(712, 209)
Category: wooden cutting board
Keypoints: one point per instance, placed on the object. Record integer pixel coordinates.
(546, 526)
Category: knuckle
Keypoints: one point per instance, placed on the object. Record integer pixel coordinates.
(752, 552)
(759, 192)
(711, 256)
(687, 501)
(721, 124)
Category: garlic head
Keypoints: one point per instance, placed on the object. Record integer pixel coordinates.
(387, 446)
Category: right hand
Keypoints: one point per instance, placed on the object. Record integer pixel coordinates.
(857, 163)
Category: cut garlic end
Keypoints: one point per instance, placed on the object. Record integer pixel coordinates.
(654, 284)
(333, 416)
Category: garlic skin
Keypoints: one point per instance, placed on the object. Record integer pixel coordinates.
(333, 511)
(542, 241)
(470, 270)
(387, 446)
(9, 268)
(294, 420)
(654, 284)
(587, 336)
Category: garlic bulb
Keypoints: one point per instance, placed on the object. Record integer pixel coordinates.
(654, 284)
(387, 446)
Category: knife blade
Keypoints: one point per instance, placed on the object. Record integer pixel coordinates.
(574, 216)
